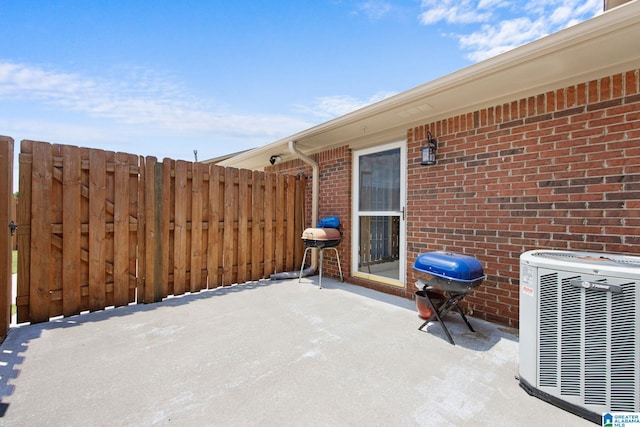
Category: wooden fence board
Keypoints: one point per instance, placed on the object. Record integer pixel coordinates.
(299, 201)
(229, 231)
(134, 171)
(244, 210)
(269, 234)
(257, 226)
(279, 217)
(85, 214)
(6, 198)
(290, 207)
(216, 205)
(180, 229)
(55, 216)
(40, 268)
(195, 277)
(25, 171)
(168, 215)
(150, 212)
(141, 232)
(72, 229)
(97, 216)
(121, 231)
(109, 209)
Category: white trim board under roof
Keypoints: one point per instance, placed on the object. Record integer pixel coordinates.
(602, 46)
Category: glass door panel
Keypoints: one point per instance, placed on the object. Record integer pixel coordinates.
(379, 190)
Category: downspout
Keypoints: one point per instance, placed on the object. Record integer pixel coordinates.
(315, 193)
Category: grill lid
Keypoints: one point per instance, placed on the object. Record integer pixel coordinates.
(450, 265)
(321, 234)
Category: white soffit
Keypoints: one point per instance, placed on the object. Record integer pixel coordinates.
(602, 46)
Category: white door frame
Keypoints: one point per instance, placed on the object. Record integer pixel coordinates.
(355, 243)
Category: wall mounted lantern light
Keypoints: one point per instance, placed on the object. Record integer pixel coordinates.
(429, 151)
(275, 159)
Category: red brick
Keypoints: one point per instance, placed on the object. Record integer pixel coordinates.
(631, 82)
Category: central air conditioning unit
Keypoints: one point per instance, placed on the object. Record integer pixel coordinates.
(580, 331)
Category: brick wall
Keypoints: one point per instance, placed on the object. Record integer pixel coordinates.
(560, 170)
(335, 199)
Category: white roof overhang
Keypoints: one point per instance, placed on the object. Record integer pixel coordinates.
(604, 45)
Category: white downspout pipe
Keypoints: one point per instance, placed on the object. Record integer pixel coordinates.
(315, 194)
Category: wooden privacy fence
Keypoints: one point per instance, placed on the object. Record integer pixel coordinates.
(99, 229)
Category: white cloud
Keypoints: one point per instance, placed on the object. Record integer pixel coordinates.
(492, 40)
(374, 9)
(454, 11)
(505, 24)
(141, 98)
(328, 107)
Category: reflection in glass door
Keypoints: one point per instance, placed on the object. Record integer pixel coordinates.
(379, 209)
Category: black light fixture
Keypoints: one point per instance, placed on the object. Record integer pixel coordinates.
(429, 151)
(275, 159)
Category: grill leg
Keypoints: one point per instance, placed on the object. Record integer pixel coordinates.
(304, 257)
(436, 314)
(453, 302)
(339, 267)
(320, 279)
(464, 318)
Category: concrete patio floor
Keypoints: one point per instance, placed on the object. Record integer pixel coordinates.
(266, 353)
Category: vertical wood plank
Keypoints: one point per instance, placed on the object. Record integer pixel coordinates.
(301, 185)
(196, 227)
(25, 172)
(269, 235)
(134, 171)
(244, 206)
(257, 232)
(280, 229)
(291, 238)
(204, 245)
(97, 255)
(153, 234)
(168, 211)
(42, 174)
(55, 203)
(85, 155)
(158, 250)
(180, 229)
(6, 200)
(121, 230)
(141, 233)
(229, 231)
(71, 231)
(214, 249)
(110, 197)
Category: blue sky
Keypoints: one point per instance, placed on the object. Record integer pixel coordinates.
(164, 78)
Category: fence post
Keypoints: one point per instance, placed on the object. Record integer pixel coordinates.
(6, 196)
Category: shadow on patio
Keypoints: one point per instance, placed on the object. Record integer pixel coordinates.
(268, 353)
